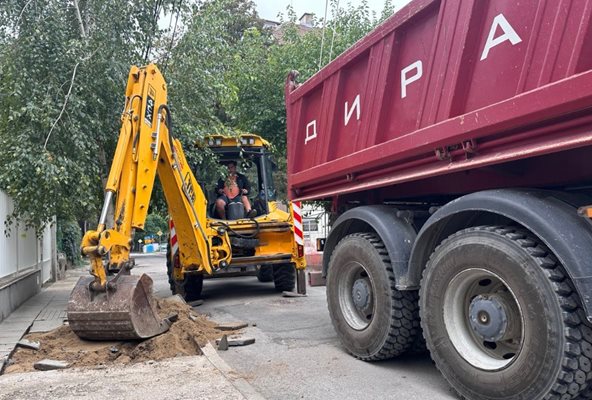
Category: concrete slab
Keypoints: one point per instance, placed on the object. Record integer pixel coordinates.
(52, 312)
(48, 365)
(9, 345)
(28, 344)
(231, 326)
(9, 326)
(155, 380)
(235, 341)
(10, 340)
(8, 331)
(15, 319)
(45, 326)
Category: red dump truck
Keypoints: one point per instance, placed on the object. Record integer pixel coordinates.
(454, 143)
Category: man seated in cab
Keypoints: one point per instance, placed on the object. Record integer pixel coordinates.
(234, 188)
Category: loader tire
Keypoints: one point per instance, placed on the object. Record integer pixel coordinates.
(497, 306)
(373, 319)
(284, 277)
(265, 273)
(191, 286)
(169, 266)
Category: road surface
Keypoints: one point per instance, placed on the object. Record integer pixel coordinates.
(297, 354)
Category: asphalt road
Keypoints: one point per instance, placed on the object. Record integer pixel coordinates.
(297, 354)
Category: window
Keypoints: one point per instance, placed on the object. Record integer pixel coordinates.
(310, 225)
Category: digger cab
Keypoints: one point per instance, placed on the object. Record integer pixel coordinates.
(254, 160)
(264, 245)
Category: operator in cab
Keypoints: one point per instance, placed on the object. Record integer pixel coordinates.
(234, 188)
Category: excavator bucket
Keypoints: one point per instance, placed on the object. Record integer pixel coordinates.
(122, 313)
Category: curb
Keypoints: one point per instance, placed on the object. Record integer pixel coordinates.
(240, 384)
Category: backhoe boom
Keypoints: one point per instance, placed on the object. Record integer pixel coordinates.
(145, 147)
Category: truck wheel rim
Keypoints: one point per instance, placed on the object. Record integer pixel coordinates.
(483, 319)
(356, 295)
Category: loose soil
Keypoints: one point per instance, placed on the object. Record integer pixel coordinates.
(182, 339)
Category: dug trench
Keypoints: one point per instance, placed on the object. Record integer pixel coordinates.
(184, 338)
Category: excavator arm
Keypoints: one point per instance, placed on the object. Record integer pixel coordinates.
(145, 148)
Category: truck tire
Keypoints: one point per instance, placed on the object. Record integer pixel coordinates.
(191, 286)
(418, 347)
(265, 273)
(496, 306)
(284, 277)
(373, 319)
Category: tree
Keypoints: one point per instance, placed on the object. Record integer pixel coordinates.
(62, 69)
(262, 63)
(64, 65)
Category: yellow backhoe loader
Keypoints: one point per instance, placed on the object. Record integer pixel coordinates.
(112, 304)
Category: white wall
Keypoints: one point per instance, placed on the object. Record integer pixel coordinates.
(21, 251)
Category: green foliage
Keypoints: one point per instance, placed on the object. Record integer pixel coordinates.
(62, 69)
(261, 64)
(199, 92)
(68, 240)
(64, 66)
(155, 223)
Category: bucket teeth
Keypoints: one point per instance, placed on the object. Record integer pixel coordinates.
(125, 312)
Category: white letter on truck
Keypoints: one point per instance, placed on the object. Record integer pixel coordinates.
(355, 106)
(311, 133)
(509, 34)
(407, 80)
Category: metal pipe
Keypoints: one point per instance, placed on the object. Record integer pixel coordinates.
(106, 204)
(156, 138)
(263, 161)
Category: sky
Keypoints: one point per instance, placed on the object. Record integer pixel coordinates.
(269, 9)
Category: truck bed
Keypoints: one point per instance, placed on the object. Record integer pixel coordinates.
(449, 96)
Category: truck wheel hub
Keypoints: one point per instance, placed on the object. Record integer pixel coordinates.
(488, 317)
(361, 294)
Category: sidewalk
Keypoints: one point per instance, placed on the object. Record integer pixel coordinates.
(41, 313)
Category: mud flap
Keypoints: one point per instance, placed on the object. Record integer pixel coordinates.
(125, 312)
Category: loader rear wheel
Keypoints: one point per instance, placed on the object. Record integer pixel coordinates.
(265, 273)
(169, 266)
(497, 306)
(190, 288)
(284, 277)
(373, 319)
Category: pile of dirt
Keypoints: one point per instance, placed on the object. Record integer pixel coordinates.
(190, 331)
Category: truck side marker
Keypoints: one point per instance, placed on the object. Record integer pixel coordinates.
(355, 106)
(297, 212)
(311, 131)
(509, 34)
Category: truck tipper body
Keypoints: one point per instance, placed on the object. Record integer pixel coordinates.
(454, 143)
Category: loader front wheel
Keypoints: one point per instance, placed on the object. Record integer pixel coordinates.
(373, 319)
(265, 273)
(497, 306)
(284, 277)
